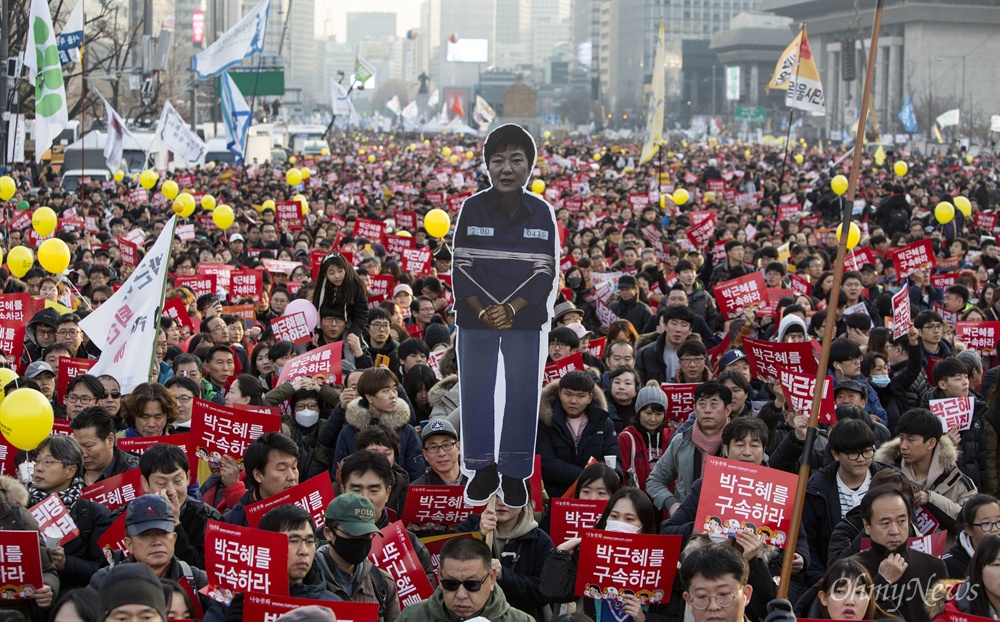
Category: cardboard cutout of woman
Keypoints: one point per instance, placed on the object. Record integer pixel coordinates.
(505, 282)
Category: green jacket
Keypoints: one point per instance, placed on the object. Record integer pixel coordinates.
(433, 610)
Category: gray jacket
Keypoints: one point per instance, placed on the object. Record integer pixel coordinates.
(678, 465)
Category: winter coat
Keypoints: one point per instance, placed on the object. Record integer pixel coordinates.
(725, 272)
(948, 488)
(633, 445)
(222, 499)
(905, 596)
(312, 587)
(32, 351)
(83, 554)
(190, 545)
(562, 459)
(636, 312)
(908, 382)
(366, 591)
(444, 401)
(893, 214)
(175, 572)
(120, 463)
(14, 516)
(957, 558)
(496, 609)
(649, 360)
(978, 446)
(788, 453)
(358, 417)
(238, 514)
(681, 465)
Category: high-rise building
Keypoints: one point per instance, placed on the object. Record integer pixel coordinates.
(441, 19)
(548, 26)
(508, 45)
(300, 49)
(369, 25)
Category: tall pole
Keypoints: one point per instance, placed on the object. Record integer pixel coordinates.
(83, 107)
(838, 273)
(791, 111)
(4, 44)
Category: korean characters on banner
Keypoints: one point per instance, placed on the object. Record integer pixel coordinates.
(406, 221)
(322, 364)
(979, 336)
(912, 256)
(416, 260)
(292, 327)
(269, 607)
(115, 492)
(20, 564)
(799, 390)
(312, 495)
(12, 338)
(680, 400)
(435, 508)
(737, 294)
(247, 283)
(902, 318)
(244, 559)
(394, 553)
(571, 517)
(613, 563)
(54, 522)
(219, 431)
(857, 258)
(954, 412)
(740, 496)
(765, 357)
(14, 308)
(372, 230)
(557, 369)
(289, 213)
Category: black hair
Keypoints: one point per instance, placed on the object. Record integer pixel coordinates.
(55, 347)
(258, 452)
(97, 418)
(683, 314)
(360, 462)
(713, 388)
(948, 367)
(877, 492)
(250, 387)
(577, 380)
(851, 275)
(972, 505)
(736, 378)
(219, 348)
(281, 349)
(378, 313)
(419, 377)
(859, 321)
(83, 602)
(304, 394)
(843, 349)
(920, 422)
(742, 427)
(959, 290)
(91, 383)
(643, 509)
(286, 517)
(851, 435)
(163, 458)
(692, 346)
(986, 553)
(775, 266)
(466, 550)
(564, 334)
(411, 347)
(714, 562)
(598, 471)
(185, 359)
(185, 383)
(504, 137)
(851, 569)
(926, 317)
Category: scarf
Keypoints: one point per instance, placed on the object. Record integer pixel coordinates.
(707, 445)
(68, 497)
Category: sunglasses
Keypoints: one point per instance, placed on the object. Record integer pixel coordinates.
(114, 395)
(451, 585)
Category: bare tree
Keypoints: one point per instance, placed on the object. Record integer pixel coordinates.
(385, 91)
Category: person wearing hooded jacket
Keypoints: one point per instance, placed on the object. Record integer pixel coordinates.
(34, 342)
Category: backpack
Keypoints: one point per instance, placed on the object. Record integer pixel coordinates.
(381, 590)
(898, 220)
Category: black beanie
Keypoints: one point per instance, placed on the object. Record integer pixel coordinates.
(131, 584)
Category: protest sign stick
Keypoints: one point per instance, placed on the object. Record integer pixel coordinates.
(491, 506)
(838, 273)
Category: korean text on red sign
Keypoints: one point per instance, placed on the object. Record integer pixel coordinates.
(612, 563)
(394, 553)
(954, 412)
(54, 520)
(902, 318)
(323, 364)
(737, 294)
(571, 517)
(557, 369)
(435, 508)
(765, 357)
(20, 563)
(980, 336)
(244, 559)
(799, 390)
(741, 496)
(269, 607)
(115, 492)
(680, 400)
(912, 256)
(292, 327)
(312, 495)
(219, 431)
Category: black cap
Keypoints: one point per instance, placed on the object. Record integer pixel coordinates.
(850, 385)
(869, 267)
(626, 280)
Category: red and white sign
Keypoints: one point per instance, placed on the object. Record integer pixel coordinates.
(702, 232)
(113, 539)
(954, 412)
(557, 369)
(737, 294)
(129, 253)
(902, 318)
(799, 284)
(799, 390)
(985, 220)
(12, 339)
(200, 284)
(221, 272)
(292, 328)
(269, 607)
(394, 553)
(406, 221)
(381, 286)
(857, 258)
(680, 400)
(979, 336)
(70, 368)
(370, 229)
(950, 317)
(115, 492)
(54, 520)
(218, 430)
(912, 256)
(416, 260)
(765, 357)
(175, 308)
(571, 517)
(185, 232)
(279, 265)
(322, 363)
(244, 559)
(611, 563)
(638, 200)
(436, 508)
(742, 496)
(246, 283)
(140, 444)
(944, 281)
(396, 244)
(596, 347)
(20, 564)
(288, 213)
(312, 495)
(14, 309)
(456, 201)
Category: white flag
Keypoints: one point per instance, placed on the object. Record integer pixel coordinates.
(433, 99)
(244, 39)
(235, 116)
(177, 137)
(393, 105)
(483, 113)
(71, 37)
(116, 136)
(342, 105)
(51, 115)
(411, 111)
(131, 317)
(947, 119)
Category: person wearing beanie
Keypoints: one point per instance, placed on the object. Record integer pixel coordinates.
(792, 329)
(131, 591)
(437, 337)
(643, 441)
(312, 613)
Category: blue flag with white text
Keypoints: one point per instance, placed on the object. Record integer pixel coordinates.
(907, 117)
(235, 116)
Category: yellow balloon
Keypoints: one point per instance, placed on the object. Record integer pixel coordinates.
(547, 134)
(20, 260)
(746, 154)
(268, 204)
(324, 152)
(853, 234)
(900, 168)
(680, 196)
(147, 179)
(437, 222)
(968, 159)
(170, 189)
(293, 176)
(306, 173)
(7, 188)
(182, 208)
(119, 175)
(453, 159)
(944, 212)
(446, 152)
(53, 255)
(302, 201)
(799, 158)
(187, 200)
(371, 158)
(208, 202)
(963, 205)
(7, 375)
(291, 159)
(427, 142)
(538, 186)
(387, 164)
(404, 234)
(223, 217)
(43, 221)
(26, 418)
(839, 184)
(709, 197)
(469, 155)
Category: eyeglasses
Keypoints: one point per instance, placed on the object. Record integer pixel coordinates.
(307, 406)
(933, 326)
(451, 585)
(692, 360)
(297, 541)
(989, 526)
(68, 332)
(44, 331)
(73, 398)
(184, 399)
(704, 602)
(866, 454)
(48, 462)
(435, 449)
(379, 325)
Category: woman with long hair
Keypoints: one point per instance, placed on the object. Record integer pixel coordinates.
(340, 288)
(846, 593)
(979, 595)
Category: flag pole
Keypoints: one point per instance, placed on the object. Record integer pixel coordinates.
(824, 358)
(159, 310)
(83, 106)
(791, 111)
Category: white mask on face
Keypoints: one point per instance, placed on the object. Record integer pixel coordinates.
(306, 418)
(621, 527)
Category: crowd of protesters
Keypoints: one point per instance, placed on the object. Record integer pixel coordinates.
(603, 430)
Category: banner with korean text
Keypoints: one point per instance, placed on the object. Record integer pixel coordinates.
(612, 563)
(244, 559)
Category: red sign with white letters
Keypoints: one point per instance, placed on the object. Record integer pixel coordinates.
(115, 492)
(979, 336)
(857, 258)
(395, 244)
(394, 553)
(680, 400)
(737, 294)
(269, 607)
(799, 390)
(902, 318)
(416, 260)
(292, 328)
(244, 559)
(218, 430)
(14, 309)
(406, 221)
(912, 256)
(312, 495)
(557, 369)
(436, 508)
(612, 563)
(571, 517)
(288, 213)
(702, 232)
(20, 564)
(322, 363)
(175, 308)
(765, 357)
(12, 339)
(54, 520)
(200, 284)
(70, 368)
(247, 283)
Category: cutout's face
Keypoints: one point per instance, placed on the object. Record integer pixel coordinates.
(509, 169)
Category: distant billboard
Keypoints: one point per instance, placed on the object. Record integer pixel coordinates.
(468, 51)
(198, 27)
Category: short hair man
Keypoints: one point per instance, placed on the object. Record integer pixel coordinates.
(441, 450)
(271, 464)
(715, 583)
(305, 577)
(658, 360)
(94, 430)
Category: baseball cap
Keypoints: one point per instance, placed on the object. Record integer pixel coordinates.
(580, 330)
(402, 287)
(627, 280)
(146, 513)
(354, 513)
(131, 584)
(869, 267)
(37, 368)
(730, 357)
(438, 426)
(650, 395)
(237, 237)
(850, 385)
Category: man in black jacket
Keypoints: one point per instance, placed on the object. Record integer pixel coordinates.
(94, 429)
(628, 306)
(658, 361)
(907, 374)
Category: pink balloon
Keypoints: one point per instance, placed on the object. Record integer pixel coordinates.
(306, 307)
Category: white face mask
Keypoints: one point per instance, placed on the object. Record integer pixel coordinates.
(620, 527)
(306, 418)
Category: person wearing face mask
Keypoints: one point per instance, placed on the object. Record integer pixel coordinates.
(875, 368)
(349, 529)
(309, 402)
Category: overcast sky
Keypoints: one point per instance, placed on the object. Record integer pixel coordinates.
(333, 14)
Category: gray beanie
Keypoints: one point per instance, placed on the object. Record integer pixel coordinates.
(650, 395)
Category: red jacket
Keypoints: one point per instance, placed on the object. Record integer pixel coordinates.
(634, 450)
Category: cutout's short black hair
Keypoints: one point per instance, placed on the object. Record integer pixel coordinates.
(509, 135)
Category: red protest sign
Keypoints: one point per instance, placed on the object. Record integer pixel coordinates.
(799, 390)
(14, 309)
(680, 400)
(765, 357)
(8, 454)
(292, 328)
(175, 308)
(435, 508)
(12, 339)
(70, 368)
(857, 258)
(416, 260)
(434, 198)
(371, 229)
(571, 517)
(218, 430)
(20, 564)
(381, 286)
(944, 281)
(200, 284)
(129, 252)
(954, 412)
(456, 201)
(288, 213)
(985, 221)
(557, 369)
(268, 607)
(742, 496)
(596, 347)
(246, 312)
(702, 232)
(736, 294)
(185, 232)
(322, 364)
(799, 284)
(312, 495)
(912, 256)
(113, 539)
(279, 265)
(395, 244)
(950, 317)
(406, 221)
(394, 553)
(979, 336)
(771, 299)
(611, 563)
(902, 319)
(115, 492)
(141, 444)
(54, 520)
(244, 559)
(638, 200)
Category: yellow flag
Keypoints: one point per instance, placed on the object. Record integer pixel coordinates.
(880, 156)
(785, 68)
(654, 115)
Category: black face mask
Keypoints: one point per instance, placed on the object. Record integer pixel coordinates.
(574, 281)
(352, 550)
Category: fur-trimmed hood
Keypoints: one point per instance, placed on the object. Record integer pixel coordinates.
(358, 417)
(765, 553)
(948, 591)
(14, 492)
(436, 393)
(945, 452)
(550, 393)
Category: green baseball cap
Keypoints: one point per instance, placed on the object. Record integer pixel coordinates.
(354, 513)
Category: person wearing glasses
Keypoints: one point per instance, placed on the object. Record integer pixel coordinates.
(845, 364)
(980, 520)
(39, 334)
(932, 331)
(69, 334)
(441, 450)
(82, 392)
(380, 339)
(467, 588)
